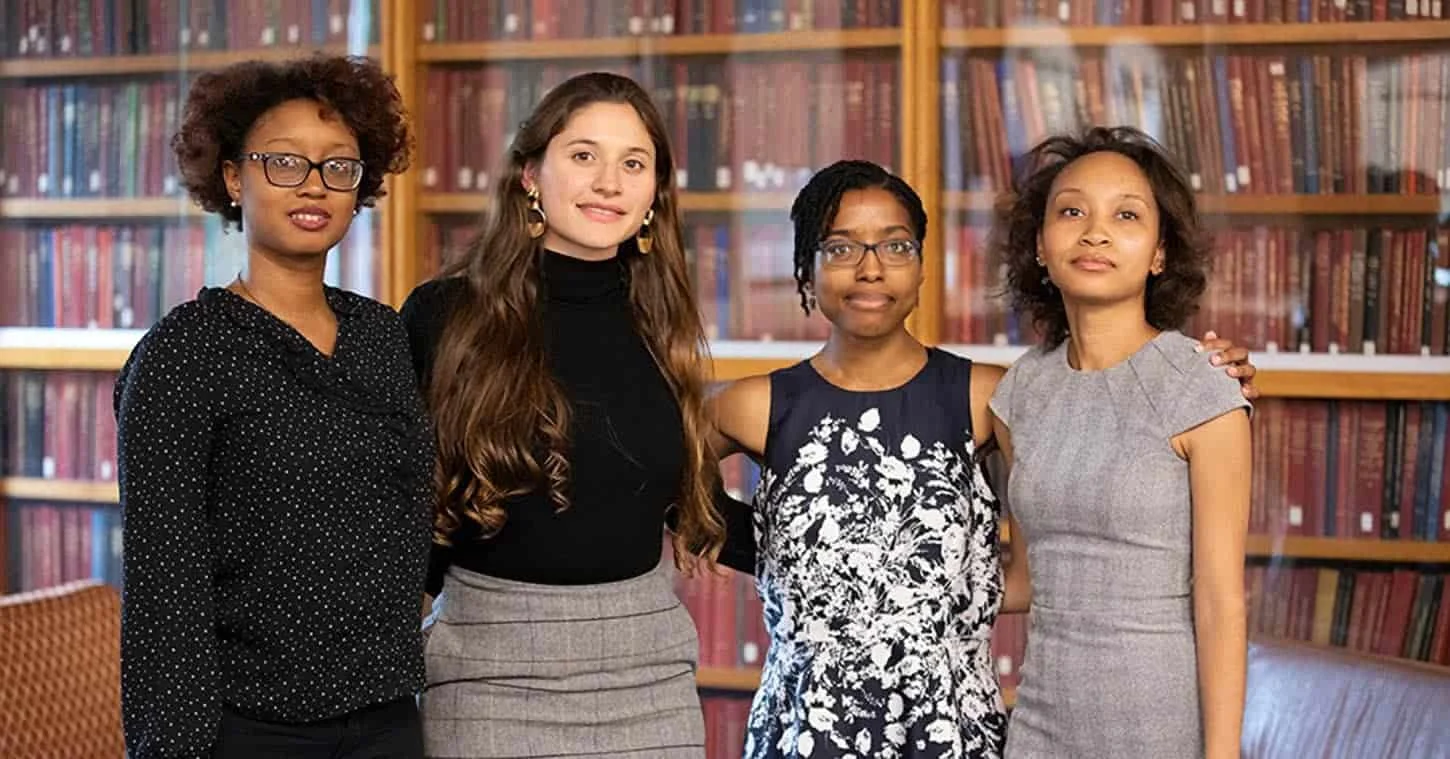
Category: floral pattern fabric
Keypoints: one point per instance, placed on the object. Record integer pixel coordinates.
(880, 576)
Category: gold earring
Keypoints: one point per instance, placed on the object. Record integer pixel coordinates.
(535, 214)
(646, 237)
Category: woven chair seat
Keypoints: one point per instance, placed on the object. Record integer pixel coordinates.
(60, 673)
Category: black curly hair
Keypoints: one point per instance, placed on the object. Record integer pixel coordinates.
(223, 105)
(815, 208)
(1172, 296)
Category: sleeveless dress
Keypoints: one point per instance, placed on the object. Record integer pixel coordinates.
(1111, 663)
(879, 569)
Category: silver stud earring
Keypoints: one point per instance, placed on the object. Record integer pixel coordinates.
(1046, 280)
(235, 204)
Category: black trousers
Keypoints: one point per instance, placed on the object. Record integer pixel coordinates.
(387, 731)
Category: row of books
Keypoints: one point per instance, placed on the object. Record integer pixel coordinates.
(103, 139)
(1078, 13)
(1372, 291)
(69, 28)
(1351, 469)
(105, 277)
(1332, 468)
(127, 276)
(736, 125)
(457, 20)
(460, 20)
(1401, 612)
(1265, 124)
(1360, 290)
(59, 425)
(48, 544)
(1364, 290)
(726, 717)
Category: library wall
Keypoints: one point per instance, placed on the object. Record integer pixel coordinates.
(1314, 133)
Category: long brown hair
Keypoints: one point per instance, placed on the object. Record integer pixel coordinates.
(502, 420)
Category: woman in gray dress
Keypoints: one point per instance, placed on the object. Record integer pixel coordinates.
(1130, 466)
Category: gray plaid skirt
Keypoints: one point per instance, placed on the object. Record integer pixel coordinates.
(523, 670)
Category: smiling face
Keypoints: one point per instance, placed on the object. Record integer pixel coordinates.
(872, 297)
(596, 180)
(1099, 238)
(310, 218)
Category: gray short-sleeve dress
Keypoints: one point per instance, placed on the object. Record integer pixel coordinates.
(1104, 502)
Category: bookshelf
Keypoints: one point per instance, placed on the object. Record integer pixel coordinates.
(641, 47)
(1268, 205)
(943, 123)
(134, 64)
(1199, 35)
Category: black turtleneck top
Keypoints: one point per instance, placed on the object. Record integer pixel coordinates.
(627, 439)
(276, 505)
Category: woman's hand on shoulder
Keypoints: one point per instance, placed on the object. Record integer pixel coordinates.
(740, 411)
(1235, 358)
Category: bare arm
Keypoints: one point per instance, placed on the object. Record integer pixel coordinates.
(1017, 582)
(740, 412)
(740, 416)
(1017, 586)
(1220, 457)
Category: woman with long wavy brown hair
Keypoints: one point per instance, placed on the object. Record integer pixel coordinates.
(565, 366)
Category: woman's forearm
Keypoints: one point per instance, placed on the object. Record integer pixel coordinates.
(1221, 633)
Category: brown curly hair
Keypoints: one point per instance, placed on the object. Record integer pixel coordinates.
(223, 105)
(1172, 296)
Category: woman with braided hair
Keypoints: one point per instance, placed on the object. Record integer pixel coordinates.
(877, 542)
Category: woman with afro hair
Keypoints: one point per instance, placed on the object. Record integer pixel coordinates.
(275, 455)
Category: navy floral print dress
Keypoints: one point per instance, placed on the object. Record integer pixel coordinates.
(879, 569)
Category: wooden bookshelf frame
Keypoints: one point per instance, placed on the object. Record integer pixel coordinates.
(1273, 383)
(99, 208)
(1198, 35)
(648, 47)
(62, 491)
(141, 65)
(1348, 549)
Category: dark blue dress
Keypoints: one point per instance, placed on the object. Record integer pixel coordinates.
(879, 568)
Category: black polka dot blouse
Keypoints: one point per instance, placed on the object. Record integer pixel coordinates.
(276, 506)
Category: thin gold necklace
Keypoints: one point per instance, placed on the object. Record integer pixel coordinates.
(247, 291)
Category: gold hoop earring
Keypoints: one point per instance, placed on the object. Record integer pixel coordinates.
(646, 237)
(535, 214)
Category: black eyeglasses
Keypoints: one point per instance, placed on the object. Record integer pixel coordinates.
(846, 253)
(291, 170)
